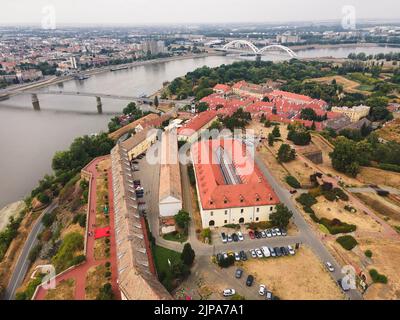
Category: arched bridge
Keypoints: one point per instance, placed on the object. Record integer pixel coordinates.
(231, 47)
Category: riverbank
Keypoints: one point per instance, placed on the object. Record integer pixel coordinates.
(345, 45)
(56, 80)
(10, 210)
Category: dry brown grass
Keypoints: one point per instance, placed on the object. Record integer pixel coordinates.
(100, 249)
(380, 206)
(95, 279)
(377, 176)
(391, 131)
(299, 277)
(348, 85)
(65, 290)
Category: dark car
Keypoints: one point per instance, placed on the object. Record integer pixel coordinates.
(249, 281)
(284, 251)
(235, 237)
(278, 252)
(135, 162)
(243, 255)
(238, 273)
(257, 234)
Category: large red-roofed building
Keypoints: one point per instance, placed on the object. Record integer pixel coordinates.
(231, 188)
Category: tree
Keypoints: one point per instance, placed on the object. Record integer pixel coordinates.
(286, 153)
(344, 157)
(271, 139)
(201, 107)
(188, 254)
(156, 102)
(281, 216)
(182, 219)
(276, 132)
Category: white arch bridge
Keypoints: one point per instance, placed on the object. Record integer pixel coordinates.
(232, 46)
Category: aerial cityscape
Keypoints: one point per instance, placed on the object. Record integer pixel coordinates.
(159, 154)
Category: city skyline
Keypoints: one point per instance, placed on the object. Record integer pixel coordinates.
(139, 12)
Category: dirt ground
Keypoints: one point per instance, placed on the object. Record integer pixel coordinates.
(391, 131)
(64, 291)
(380, 177)
(102, 193)
(299, 277)
(331, 210)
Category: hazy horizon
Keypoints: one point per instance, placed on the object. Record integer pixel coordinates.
(159, 12)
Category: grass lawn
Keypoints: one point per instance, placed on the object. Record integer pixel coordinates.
(175, 236)
(161, 256)
(324, 229)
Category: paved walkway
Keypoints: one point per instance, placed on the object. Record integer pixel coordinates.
(79, 273)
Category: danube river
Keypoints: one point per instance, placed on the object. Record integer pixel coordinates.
(28, 139)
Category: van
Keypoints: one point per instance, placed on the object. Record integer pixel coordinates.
(266, 252)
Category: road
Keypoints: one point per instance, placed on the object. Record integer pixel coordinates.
(309, 236)
(22, 265)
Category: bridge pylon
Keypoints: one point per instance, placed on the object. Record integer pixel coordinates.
(99, 105)
(35, 102)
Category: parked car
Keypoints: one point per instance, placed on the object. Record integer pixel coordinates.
(291, 250)
(249, 280)
(268, 233)
(272, 251)
(253, 253)
(263, 235)
(240, 236)
(243, 255)
(293, 191)
(231, 253)
(278, 251)
(135, 162)
(259, 253)
(278, 231)
(284, 251)
(225, 255)
(273, 232)
(251, 234)
(223, 237)
(229, 238)
(229, 292)
(262, 290)
(235, 237)
(268, 295)
(329, 266)
(238, 273)
(219, 257)
(237, 256)
(266, 252)
(284, 232)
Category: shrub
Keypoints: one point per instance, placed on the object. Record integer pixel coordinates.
(341, 194)
(293, 182)
(107, 274)
(377, 277)
(108, 264)
(307, 200)
(347, 242)
(188, 254)
(329, 195)
(368, 253)
(226, 263)
(105, 293)
(65, 256)
(78, 260)
(48, 219)
(34, 253)
(336, 226)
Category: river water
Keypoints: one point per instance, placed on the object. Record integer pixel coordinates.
(29, 139)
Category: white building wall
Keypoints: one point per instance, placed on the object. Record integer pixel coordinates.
(169, 207)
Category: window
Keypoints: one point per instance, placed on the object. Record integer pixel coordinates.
(270, 208)
(241, 210)
(226, 212)
(257, 218)
(211, 213)
(225, 221)
(258, 210)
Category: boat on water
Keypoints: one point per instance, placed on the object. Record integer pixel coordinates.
(81, 77)
(119, 68)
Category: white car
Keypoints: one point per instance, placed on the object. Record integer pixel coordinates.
(253, 253)
(262, 290)
(259, 253)
(268, 295)
(329, 266)
(240, 236)
(268, 233)
(278, 232)
(237, 256)
(266, 252)
(229, 238)
(225, 255)
(291, 250)
(229, 292)
(273, 232)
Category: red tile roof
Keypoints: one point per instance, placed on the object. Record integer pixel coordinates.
(214, 192)
(197, 122)
(222, 87)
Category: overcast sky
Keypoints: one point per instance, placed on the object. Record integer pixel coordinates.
(192, 11)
